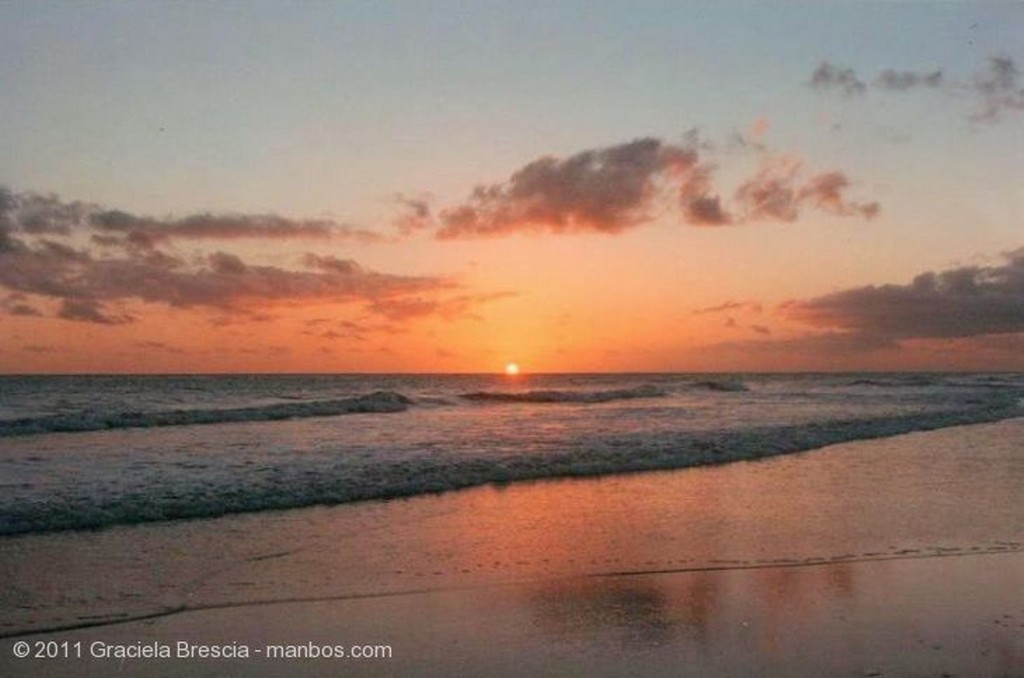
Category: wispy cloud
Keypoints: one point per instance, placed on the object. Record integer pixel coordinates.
(997, 86)
(829, 77)
(778, 192)
(34, 214)
(16, 304)
(1000, 89)
(902, 81)
(752, 306)
(450, 308)
(415, 214)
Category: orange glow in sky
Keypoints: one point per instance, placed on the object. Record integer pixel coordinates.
(266, 219)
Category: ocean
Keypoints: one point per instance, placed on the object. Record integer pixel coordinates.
(84, 452)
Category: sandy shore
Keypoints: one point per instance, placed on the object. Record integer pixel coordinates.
(932, 616)
(893, 557)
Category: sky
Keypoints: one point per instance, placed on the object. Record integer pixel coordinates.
(192, 187)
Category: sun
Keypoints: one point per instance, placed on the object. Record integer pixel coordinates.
(511, 369)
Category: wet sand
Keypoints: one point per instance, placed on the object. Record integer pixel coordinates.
(892, 557)
(953, 615)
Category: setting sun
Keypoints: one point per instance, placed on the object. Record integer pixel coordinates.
(511, 369)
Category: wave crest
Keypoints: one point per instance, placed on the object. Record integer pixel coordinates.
(378, 401)
(554, 396)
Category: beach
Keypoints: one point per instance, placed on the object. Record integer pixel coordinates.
(898, 556)
(511, 339)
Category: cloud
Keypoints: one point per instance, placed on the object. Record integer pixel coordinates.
(998, 85)
(604, 190)
(902, 81)
(449, 308)
(89, 310)
(706, 211)
(147, 231)
(825, 191)
(777, 193)
(415, 216)
(42, 256)
(34, 214)
(616, 188)
(829, 77)
(16, 304)
(730, 306)
(1000, 89)
(961, 302)
(966, 316)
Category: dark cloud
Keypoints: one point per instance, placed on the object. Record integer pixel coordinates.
(998, 85)
(961, 302)
(902, 81)
(40, 214)
(90, 311)
(761, 329)
(330, 264)
(41, 256)
(1000, 89)
(34, 214)
(605, 190)
(147, 231)
(612, 189)
(707, 211)
(777, 192)
(829, 77)
(730, 306)
(17, 304)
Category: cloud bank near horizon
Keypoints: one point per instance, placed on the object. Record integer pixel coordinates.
(974, 310)
(87, 262)
(969, 301)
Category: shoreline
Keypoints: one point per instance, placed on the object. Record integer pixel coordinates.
(844, 531)
(709, 450)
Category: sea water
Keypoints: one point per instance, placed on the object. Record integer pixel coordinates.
(81, 452)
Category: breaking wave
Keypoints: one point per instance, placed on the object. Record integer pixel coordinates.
(379, 401)
(725, 385)
(565, 396)
(337, 478)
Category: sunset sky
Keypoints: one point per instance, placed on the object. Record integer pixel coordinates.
(574, 186)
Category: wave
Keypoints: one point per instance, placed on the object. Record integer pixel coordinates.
(378, 401)
(565, 396)
(338, 478)
(724, 385)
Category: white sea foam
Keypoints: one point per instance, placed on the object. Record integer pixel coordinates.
(269, 453)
